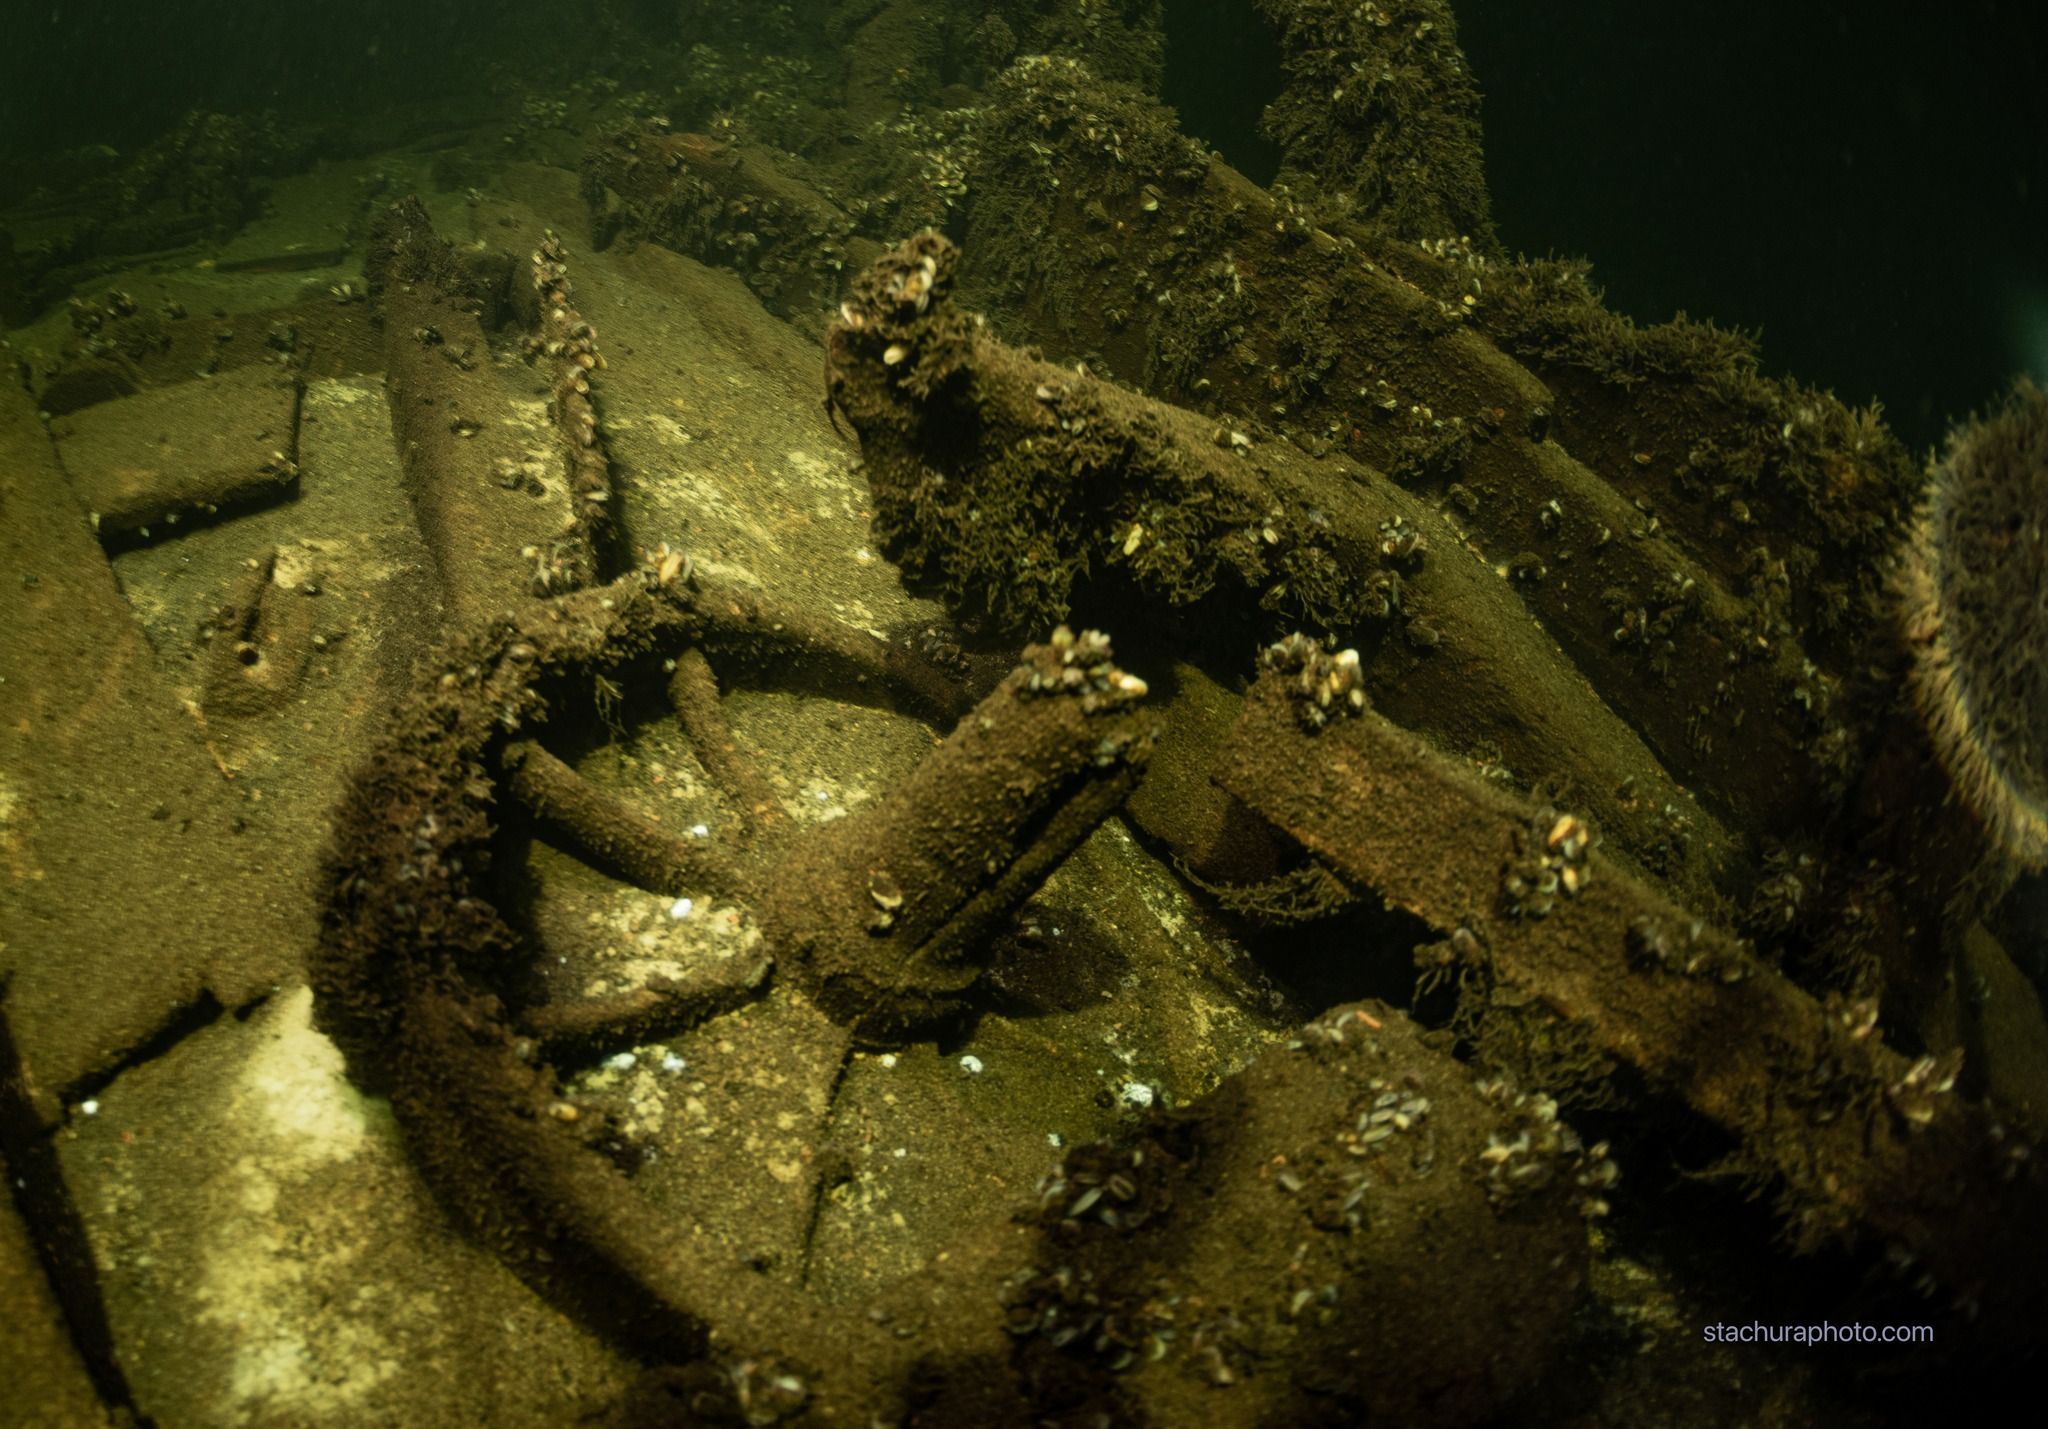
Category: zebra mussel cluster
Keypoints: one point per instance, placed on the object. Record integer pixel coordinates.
(1549, 860)
(1079, 665)
(1387, 1119)
(1688, 951)
(1074, 1307)
(765, 1392)
(1535, 1152)
(1102, 1185)
(1327, 683)
(1390, 1123)
(1073, 1311)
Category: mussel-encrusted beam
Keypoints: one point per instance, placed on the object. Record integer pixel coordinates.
(727, 203)
(1379, 117)
(469, 475)
(563, 339)
(882, 914)
(1862, 1139)
(606, 831)
(1010, 483)
(1691, 568)
(661, 1009)
(693, 694)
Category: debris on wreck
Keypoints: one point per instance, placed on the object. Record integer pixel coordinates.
(809, 963)
(1860, 1140)
(1006, 482)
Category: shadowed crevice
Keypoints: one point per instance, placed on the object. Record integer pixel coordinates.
(56, 1233)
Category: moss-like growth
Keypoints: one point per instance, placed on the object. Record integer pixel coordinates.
(1380, 117)
(726, 203)
(1680, 409)
(1018, 489)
